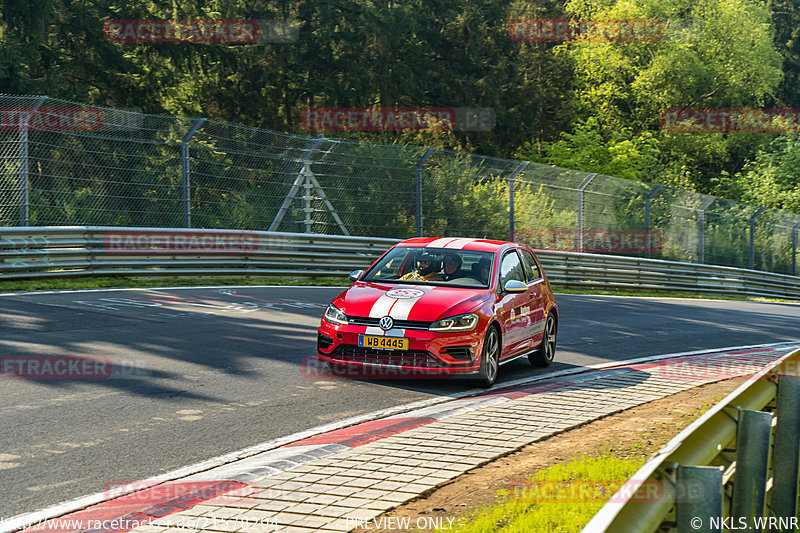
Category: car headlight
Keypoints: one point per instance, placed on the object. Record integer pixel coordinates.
(334, 315)
(456, 323)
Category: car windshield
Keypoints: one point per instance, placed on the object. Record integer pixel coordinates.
(433, 266)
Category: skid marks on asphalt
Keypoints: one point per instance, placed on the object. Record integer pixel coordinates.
(58, 401)
(189, 415)
(162, 304)
(8, 461)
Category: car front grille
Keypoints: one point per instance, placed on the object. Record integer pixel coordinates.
(403, 324)
(358, 354)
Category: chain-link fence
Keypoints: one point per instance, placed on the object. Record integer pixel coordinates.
(64, 163)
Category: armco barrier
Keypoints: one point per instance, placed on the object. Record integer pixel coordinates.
(58, 251)
(734, 468)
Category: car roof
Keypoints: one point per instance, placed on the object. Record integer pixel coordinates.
(455, 243)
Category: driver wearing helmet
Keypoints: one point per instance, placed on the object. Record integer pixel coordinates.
(426, 269)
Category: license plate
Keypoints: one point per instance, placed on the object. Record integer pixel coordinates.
(383, 343)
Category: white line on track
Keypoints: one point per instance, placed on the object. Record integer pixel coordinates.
(107, 289)
(17, 522)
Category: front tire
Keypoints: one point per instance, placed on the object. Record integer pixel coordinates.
(547, 350)
(490, 358)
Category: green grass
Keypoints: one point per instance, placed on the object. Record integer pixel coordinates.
(562, 498)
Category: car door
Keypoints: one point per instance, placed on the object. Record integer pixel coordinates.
(537, 297)
(513, 308)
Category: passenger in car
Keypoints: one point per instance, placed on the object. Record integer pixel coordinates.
(452, 267)
(426, 269)
(481, 268)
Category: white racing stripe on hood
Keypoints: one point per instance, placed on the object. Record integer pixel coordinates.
(439, 243)
(397, 308)
(381, 307)
(458, 243)
(402, 308)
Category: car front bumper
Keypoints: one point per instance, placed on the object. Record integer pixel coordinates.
(430, 354)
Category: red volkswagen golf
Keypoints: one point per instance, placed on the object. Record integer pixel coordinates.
(449, 307)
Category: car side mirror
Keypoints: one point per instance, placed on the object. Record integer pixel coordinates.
(514, 285)
(355, 274)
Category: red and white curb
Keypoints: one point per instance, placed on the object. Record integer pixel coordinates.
(123, 508)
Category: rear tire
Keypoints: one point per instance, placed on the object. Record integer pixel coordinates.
(490, 359)
(547, 350)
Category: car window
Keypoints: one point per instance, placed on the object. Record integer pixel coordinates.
(401, 260)
(511, 268)
(532, 271)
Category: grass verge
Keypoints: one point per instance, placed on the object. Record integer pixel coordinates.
(563, 497)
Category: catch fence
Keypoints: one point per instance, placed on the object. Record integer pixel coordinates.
(66, 164)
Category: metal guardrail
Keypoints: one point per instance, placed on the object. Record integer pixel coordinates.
(576, 271)
(52, 252)
(736, 467)
(59, 251)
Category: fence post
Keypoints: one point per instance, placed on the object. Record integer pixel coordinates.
(418, 175)
(24, 185)
(511, 215)
(187, 194)
(698, 493)
(650, 196)
(701, 222)
(753, 237)
(786, 450)
(794, 248)
(583, 185)
(753, 434)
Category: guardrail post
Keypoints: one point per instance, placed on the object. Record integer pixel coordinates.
(24, 184)
(583, 185)
(752, 461)
(698, 496)
(650, 196)
(794, 248)
(511, 185)
(187, 194)
(701, 223)
(786, 450)
(753, 237)
(418, 176)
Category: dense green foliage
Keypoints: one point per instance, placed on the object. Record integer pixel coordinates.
(589, 105)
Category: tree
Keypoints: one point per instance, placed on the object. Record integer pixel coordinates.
(713, 54)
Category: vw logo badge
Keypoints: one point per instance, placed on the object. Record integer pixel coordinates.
(386, 323)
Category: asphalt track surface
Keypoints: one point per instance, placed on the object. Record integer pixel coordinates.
(201, 372)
